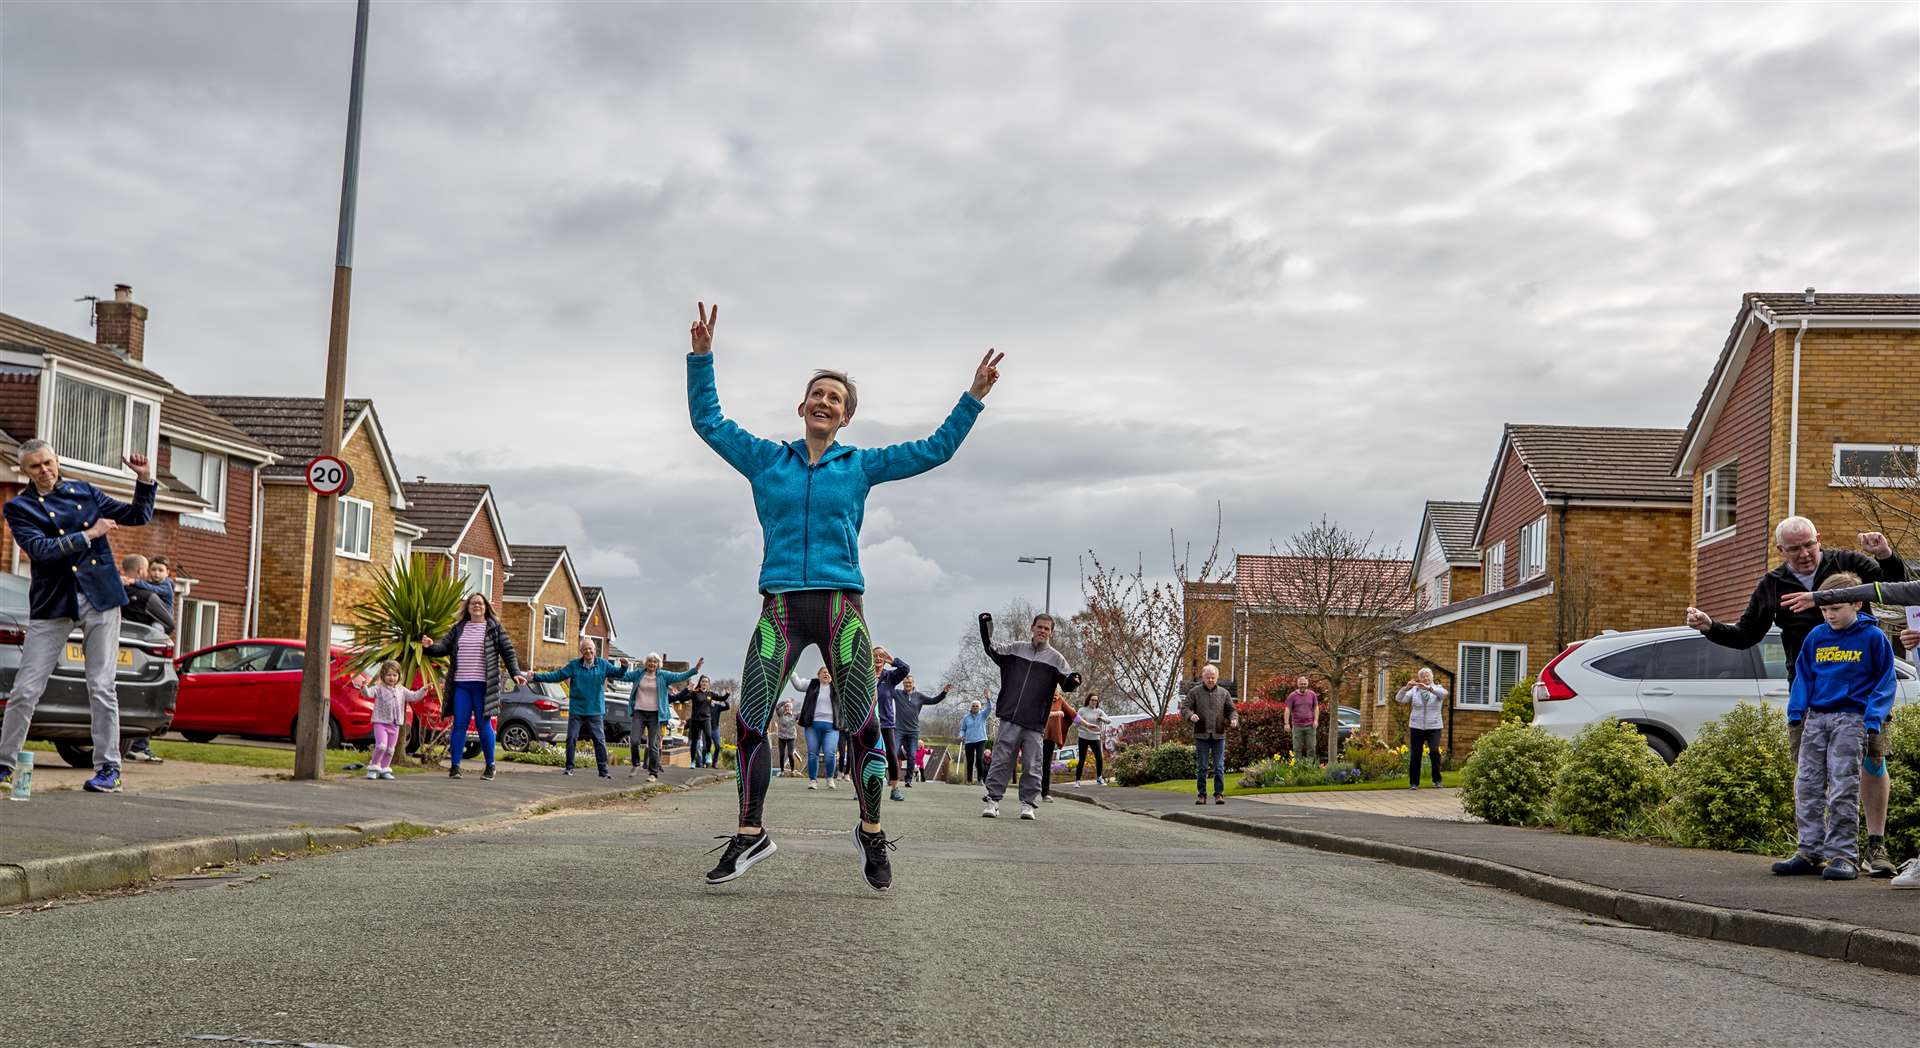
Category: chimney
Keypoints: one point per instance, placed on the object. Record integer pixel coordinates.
(1809, 297)
(121, 325)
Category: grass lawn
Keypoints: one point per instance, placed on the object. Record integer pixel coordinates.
(247, 756)
(1234, 789)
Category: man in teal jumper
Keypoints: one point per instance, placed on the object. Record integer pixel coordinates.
(586, 679)
(1843, 689)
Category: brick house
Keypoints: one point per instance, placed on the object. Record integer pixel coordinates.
(1446, 563)
(544, 606)
(462, 533)
(1811, 393)
(1580, 529)
(597, 621)
(98, 401)
(369, 532)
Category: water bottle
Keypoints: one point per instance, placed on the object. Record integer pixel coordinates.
(22, 776)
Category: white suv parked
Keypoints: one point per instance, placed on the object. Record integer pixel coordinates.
(1667, 682)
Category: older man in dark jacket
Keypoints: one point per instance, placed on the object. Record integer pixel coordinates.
(62, 526)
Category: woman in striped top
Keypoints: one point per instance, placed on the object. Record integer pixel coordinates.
(480, 649)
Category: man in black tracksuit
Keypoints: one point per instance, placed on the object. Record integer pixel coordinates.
(1804, 567)
(703, 722)
(1030, 671)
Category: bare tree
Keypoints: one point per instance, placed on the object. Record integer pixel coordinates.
(1576, 593)
(971, 675)
(1889, 503)
(1328, 604)
(1135, 627)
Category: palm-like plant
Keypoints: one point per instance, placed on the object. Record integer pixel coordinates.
(409, 601)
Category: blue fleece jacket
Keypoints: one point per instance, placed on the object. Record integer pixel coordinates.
(586, 685)
(888, 686)
(664, 679)
(810, 515)
(1850, 669)
(973, 726)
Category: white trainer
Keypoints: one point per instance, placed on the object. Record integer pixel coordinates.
(1909, 875)
(991, 811)
(373, 773)
(1027, 812)
(831, 785)
(812, 784)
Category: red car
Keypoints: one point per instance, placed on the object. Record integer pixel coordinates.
(251, 688)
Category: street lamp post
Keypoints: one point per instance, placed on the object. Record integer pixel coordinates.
(1035, 560)
(310, 736)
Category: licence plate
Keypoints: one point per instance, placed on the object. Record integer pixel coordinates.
(78, 655)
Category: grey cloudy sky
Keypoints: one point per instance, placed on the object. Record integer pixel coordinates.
(1297, 260)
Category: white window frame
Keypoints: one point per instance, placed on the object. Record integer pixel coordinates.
(218, 510)
(1533, 549)
(1493, 565)
(486, 574)
(546, 620)
(340, 528)
(1713, 500)
(193, 614)
(1841, 481)
(402, 550)
(114, 468)
(1496, 695)
(1214, 647)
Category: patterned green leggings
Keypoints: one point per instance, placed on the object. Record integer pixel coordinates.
(789, 623)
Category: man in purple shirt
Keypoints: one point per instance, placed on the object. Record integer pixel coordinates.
(1303, 718)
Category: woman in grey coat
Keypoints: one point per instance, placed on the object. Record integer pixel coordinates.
(1423, 723)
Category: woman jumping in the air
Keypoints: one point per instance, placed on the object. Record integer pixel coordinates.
(811, 496)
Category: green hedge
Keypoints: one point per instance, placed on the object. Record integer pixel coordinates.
(1733, 788)
(1610, 782)
(1509, 776)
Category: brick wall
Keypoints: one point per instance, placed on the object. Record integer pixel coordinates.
(524, 621)
(20, 405)
(1724, 571)
(1636, 560)
(1515, 504)
(1208, 616)
(1855, 388)
(1530, 623)
(287, 537)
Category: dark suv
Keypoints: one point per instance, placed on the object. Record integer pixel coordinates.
(146, 683)
(535, 712)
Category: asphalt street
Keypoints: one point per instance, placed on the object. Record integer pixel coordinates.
(1087, 927)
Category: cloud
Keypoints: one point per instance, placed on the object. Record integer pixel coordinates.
(1288, 260)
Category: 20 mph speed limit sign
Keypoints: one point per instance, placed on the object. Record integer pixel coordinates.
(327, 475)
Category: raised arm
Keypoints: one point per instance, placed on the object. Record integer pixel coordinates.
(140, 510)
(799, 684)
(1752, 627)
(986, 641)
(667, 678)
(742, 450)
(550, 676)
(1878, 592)
(900, 461)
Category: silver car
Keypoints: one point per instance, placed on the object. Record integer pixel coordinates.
(1667, 682)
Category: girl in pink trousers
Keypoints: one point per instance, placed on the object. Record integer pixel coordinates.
(390, 703)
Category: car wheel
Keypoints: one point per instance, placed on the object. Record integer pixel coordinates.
(336, 739)
(76, 754)
(517, 737)
(470, 751)
(198, 736)
(1659, 744)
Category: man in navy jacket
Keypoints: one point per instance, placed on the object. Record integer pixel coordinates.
(62, 526)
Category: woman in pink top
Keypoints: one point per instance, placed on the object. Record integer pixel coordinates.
(480, 649)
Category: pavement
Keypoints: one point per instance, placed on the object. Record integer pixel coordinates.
(1709, 894)
(68, 840)
(1088, 927)
(1407, 804)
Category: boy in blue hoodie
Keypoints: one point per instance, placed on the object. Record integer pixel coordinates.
(1843, 689)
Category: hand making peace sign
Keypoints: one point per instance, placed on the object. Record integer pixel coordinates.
(703, 329)
(986, 374)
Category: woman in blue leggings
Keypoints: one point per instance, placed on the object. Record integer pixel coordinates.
(480, 649)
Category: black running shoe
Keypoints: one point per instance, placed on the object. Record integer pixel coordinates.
(453, 772)
(873, 851)
(488, 773)
(743, 850)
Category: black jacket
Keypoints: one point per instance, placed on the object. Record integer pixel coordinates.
(1763, 608)
(809, 706)
(50, 530)
(145, 606)
(499, 650)
(1028, 677)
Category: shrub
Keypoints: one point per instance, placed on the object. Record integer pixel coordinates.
(1340, 773)
(1733, 788)
(1611, 778)
(1282, 770)
(1262, 731)
(1373, 757)
(1139, 765)
(1518, 705)
(1509, 776)
(1265, 772)
(1903, 763)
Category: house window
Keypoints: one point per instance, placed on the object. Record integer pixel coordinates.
(553, 626)
(478, 574)
(1533, 549)
(97, 426)
(199, 624)
(1213, 647)
(1718, 488)
(1876, 465)
(204, 472)
(1488, 672)
(353, 533)
(340, 634)
(1494, 562)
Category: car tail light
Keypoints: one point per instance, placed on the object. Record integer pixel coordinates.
(12, 635)
(163, 651)
(1557, 688)
(546, 705)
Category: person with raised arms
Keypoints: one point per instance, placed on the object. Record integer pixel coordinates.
(811, 496)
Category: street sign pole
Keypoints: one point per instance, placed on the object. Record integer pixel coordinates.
(310, 742)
